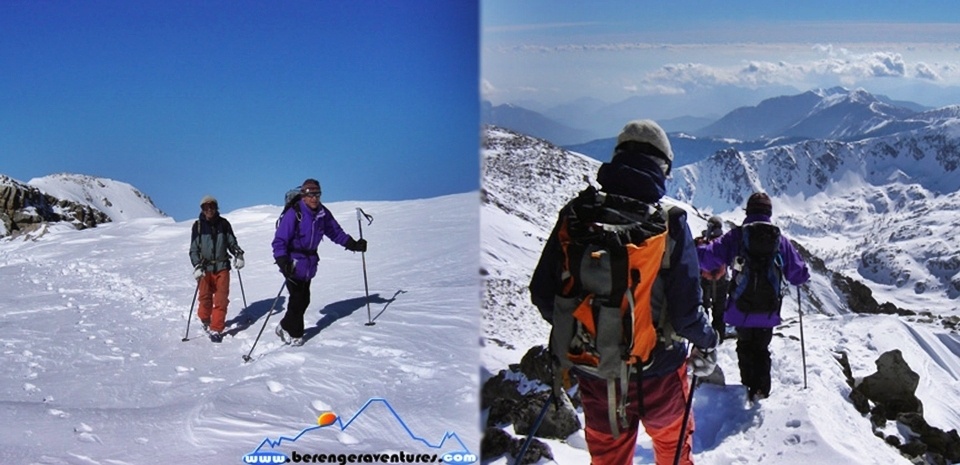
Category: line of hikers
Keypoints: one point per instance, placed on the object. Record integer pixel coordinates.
(620, 279)
(213, 243)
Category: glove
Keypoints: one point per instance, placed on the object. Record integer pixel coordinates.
(198, 272)
(356, 246)
(703, 361)
(238, 262)
(285, 265)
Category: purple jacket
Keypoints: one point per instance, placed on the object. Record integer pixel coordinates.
(723, 251)
(302, 247)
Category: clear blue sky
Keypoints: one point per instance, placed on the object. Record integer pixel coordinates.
(553, 52)
(243, 99)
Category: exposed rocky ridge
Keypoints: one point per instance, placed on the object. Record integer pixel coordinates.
(24, 208)
(889, 395)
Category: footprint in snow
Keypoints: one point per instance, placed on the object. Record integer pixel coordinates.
(274, 386)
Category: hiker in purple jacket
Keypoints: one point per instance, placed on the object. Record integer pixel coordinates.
(295, 252)
(754, 330)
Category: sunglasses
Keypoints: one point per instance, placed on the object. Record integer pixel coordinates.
(208, 207)
(315, 194)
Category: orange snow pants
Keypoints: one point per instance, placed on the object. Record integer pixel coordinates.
(664, 401)
(214, 296)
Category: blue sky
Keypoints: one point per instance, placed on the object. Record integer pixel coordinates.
(243, 99)
(553, 52)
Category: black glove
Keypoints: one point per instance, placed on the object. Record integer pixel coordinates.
(285, 265)
(356, 246)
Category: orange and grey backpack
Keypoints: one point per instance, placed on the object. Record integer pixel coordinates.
(611, 312)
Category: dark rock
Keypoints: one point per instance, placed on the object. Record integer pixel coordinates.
(535, 451)
(557, 423)
(537, 364)
(844, 362)
(501, 412)
(892, 386)
(495, 443)
(945, 444)
(499, 387)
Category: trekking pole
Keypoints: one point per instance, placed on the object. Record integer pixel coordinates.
(190, 315)
(686, 417)
(363, 257)
(803, 350)
(533, 431)
(246, 358)
(240, 277)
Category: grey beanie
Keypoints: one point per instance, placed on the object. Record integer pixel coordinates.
(208, 199)
(645, 131)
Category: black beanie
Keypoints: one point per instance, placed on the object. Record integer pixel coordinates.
(759, 204)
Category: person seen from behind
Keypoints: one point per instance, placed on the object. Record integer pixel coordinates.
(714, 282)
(755, 327)
(641, 162)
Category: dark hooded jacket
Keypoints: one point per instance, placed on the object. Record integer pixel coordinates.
(640, 178)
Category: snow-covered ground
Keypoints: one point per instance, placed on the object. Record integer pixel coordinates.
(526, 181)
(93, 369)
(796, 424)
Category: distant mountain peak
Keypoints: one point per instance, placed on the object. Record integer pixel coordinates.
(81, 201)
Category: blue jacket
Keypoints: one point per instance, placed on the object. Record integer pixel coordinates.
(644, 181)
(724, 251)
(302, 247)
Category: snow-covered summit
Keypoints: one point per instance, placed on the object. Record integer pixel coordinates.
(118, 200)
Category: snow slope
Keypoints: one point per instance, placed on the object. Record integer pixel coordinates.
(797, 424)
(93, 369)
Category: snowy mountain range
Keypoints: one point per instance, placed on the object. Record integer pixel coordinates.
(875, 219)
(74, 200)
(884, 209)
(837, 113)
(94, 369)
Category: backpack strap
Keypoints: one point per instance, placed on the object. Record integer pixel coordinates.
(664, 327)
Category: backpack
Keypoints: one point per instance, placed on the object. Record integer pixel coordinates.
(613, 248)
(291, 201)
(758, 270)
(604, 318)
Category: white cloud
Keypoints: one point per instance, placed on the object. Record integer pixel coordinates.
(834, 65)
(487, 88)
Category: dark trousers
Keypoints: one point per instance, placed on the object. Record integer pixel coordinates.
(715, 300)
(292, 321)
(753, 353)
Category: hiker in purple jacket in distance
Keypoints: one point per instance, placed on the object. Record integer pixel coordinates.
(754, 329)
(295, 251)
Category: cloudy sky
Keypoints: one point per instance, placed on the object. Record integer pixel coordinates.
(243, 99)
(552, 52)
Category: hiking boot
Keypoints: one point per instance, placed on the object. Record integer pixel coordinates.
(297, 342)
(757, 395)
(283, 334)
(216, 337)
(206, 325)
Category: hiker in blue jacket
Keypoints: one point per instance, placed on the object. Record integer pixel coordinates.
(295, 252)
(755, 329)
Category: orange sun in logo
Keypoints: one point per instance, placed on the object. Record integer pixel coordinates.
(326, 418)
